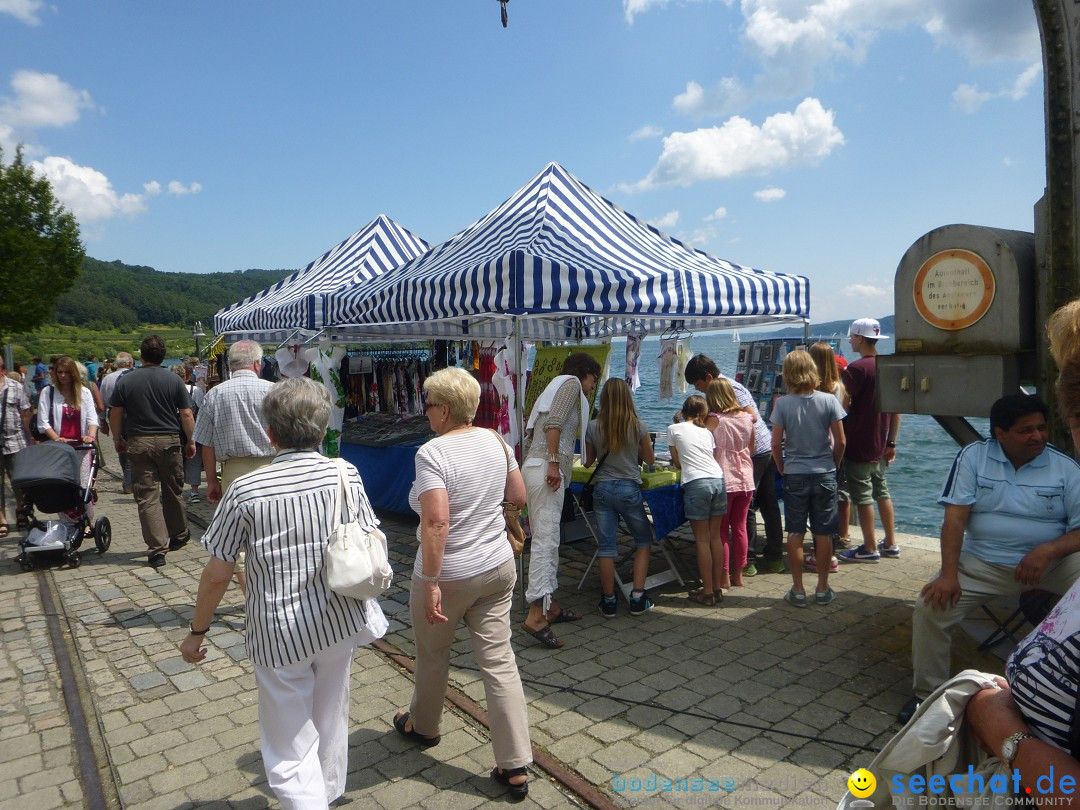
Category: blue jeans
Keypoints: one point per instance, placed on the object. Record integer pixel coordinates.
(614, 498)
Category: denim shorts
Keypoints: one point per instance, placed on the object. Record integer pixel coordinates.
(866, 481)
(617, 498)
(810, 495)
(703, 498)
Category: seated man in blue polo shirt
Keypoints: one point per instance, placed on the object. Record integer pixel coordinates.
(1012, 523)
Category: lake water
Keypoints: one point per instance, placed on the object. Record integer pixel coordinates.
(924, 454)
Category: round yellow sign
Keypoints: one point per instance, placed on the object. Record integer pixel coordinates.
(953, 289)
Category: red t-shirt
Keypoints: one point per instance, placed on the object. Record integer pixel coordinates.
(70, 423)
(865, 428)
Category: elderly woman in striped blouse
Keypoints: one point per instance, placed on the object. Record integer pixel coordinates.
(282, 516)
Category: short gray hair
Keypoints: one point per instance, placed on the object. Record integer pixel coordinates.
(298, 411)
(244, 354)
(124, 360)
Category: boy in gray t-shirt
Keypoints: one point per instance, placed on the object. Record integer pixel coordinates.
(807, 444)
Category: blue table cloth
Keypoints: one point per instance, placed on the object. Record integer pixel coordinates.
(387, 472)
(665, 506)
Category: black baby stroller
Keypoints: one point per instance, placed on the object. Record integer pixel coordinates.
(48, 474)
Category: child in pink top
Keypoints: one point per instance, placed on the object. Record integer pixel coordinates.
(733, 431)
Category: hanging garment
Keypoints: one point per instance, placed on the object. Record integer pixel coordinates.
(325, 362)
(667, 367)
(633, 357)
(682, 357)
(292, 361)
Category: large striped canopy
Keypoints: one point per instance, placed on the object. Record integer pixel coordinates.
(297, 301)
(565, 263)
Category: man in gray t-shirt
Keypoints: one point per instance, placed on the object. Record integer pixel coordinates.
(159, 427)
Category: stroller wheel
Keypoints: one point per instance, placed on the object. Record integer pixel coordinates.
(25, 561)
(102, 535)
(74, 559)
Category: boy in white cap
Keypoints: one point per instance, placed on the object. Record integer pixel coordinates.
(871, 445)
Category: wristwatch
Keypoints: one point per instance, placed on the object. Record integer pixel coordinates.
(1010, 744)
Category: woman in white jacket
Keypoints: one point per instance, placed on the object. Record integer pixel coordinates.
(66, 413)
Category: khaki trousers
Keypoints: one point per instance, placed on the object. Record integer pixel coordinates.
(982, 582)
(233, 468)
(483, 603)
(157, 479)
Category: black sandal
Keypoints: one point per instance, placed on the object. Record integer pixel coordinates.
(412, 734)
(546, 636)
(517, 792)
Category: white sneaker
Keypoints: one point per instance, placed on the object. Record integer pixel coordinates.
(194, 497)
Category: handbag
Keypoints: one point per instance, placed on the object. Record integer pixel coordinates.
(356, 560)
(36, 433)
(586, 499)
(511, 511)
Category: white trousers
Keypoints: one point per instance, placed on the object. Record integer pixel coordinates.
(304, 727)
(545, 520)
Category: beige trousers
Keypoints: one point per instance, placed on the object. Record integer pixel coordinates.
(981, 582)
(483, 603)
(233, 468)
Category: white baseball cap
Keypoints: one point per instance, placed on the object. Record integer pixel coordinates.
(867, 328)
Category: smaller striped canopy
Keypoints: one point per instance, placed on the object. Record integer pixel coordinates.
(297, 301)
(566, 263)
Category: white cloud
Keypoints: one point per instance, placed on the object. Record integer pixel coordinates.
(717, 215)
(153, 188)
(968, 98)
(179, 189)
(647, 131)
(803, 137)
(793, 39)
(42, 100)
(666, 221)
(770, 194)
(23, 10)
(86, 192)
(631, 8)
(868, 292)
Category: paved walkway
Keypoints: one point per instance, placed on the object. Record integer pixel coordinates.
(752, 703)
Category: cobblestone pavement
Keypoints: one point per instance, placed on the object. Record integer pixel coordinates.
(760, 702)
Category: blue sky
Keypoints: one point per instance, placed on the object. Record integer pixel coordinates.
(818, 137)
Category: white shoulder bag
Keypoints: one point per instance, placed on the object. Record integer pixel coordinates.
(356, 560)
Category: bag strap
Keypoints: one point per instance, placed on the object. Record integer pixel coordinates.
(596, 469)
(342, 512)
(506, 452)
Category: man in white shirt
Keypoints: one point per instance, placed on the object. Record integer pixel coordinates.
(124, 363)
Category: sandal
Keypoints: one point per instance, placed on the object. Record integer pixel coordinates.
(545, 636)
(3, 530)
(412, 734)
(702, 598)
(517, 792)
(564, 616)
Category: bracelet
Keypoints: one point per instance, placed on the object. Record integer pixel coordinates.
(554, 458)
(891, 444)
(425, 578)
(194, 632)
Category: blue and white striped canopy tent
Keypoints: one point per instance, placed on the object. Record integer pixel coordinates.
(558, 261)
(296, 303)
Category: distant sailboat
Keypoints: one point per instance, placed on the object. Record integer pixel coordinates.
(735, 337)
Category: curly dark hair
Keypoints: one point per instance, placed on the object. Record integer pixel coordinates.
(581, 365)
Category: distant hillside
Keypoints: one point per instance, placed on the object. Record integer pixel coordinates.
(838, 328)
(114, 295)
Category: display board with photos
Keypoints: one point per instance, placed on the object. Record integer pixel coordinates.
(760, 365)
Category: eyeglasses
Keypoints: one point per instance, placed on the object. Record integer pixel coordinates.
(431, 405)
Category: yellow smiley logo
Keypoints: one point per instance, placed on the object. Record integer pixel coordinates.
(861, 783)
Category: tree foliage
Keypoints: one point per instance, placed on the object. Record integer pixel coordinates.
(40, 248)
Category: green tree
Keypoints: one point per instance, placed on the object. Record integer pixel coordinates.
(40, 248)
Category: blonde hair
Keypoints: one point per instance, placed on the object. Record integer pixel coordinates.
(827, 367)
(695, 409)
(721, 397)
(1063, 332)
(800, 372)
(618, 417)
(457, 389)
(72, 368)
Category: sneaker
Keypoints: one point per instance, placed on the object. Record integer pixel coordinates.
(908, 710)
(643, 604)
(770, 567)
(609, 607)
(890, 551)
(176, 545)
(156, 560)
(860, 555)
(810, 561)
(823, 598)
(750, 570)
(796, 599)
(194, 497)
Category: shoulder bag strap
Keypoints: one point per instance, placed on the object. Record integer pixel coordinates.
(341, 513)
(596, 469)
